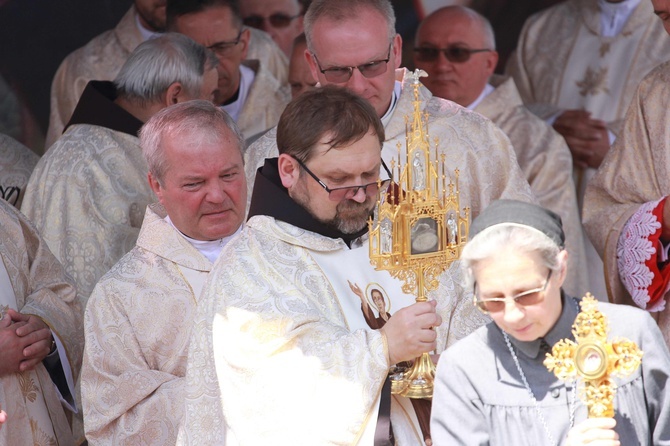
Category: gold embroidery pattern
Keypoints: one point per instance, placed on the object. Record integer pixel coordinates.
(41, 438)
(28, 387)
(594, 82)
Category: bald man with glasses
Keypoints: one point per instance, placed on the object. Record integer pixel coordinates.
(281, 19)
(456, 47)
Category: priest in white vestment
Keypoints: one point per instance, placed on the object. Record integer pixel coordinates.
(139, 317)
(627, 215)
(247, 91)
(16, 164)
(88, 194)
(456, 47)
(36, 376)
(102, 58)
(577, 65)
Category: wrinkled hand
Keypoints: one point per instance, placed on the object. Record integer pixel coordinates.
(37, 335)
(409, 332)
(3, 417)
(586, 137)
(595, 432)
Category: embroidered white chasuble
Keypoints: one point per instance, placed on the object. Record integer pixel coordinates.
(87, 197)
(283, 351)
(34, 282)
(634, 177)
(138, 323)
(564, 62)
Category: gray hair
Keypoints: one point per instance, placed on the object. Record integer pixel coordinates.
(519, 237)
(158, 63)
(199, 119)
(342, 10)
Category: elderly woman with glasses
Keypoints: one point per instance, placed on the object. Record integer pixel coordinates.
(492, 387)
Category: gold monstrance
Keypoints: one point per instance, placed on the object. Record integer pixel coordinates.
(418, 230)
(593, 359)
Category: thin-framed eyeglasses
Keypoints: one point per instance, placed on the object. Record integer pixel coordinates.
(276, 20)
(340, 75)
(525, 298)
(456, 54)
(347, 192)
(223, 48)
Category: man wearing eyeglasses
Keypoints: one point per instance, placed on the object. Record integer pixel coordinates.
(353, 44)
(456, 47)
(284, 323)
(102, 58)
(247, 92)
(281, 19)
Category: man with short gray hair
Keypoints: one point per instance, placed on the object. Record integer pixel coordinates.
(132, 380)
(88, 194)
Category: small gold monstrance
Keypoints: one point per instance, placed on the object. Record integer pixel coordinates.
(418, 231)
(593, 359)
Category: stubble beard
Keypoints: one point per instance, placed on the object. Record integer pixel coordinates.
(350, 216)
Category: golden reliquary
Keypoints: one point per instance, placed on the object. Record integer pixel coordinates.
(593, 359)
(418, 230)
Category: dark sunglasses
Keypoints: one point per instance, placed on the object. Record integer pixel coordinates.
(456, 54)
(277, 20)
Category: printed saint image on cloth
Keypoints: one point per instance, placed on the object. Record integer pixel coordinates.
(374, 300)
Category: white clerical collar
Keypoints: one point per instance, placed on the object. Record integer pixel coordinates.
(234, 109)
(208, 248)
(397, 89)
(145, 33)
(613, 16)
(488, 89)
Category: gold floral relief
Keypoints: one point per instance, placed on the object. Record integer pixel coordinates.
(594, 82)
(28, 387)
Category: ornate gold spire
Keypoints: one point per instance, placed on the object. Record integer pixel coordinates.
(418, 228)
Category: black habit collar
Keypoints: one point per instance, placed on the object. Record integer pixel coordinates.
(271, 198)
(96, 107)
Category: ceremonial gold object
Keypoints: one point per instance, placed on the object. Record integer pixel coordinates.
(593, 359)
(418, 230)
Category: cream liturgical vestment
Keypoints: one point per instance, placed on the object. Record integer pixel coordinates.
(283, 346)
(34, 282)
(264, 104)
(138, 324)
(16, 164)
(564, 61)
(546, 163)
(102, 58)
(88, 194)
(624, 202)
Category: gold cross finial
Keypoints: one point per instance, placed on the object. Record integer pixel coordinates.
(594, 360)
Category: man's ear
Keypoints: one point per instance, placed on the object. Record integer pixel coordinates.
(155, 186)
(309, 57)
(491, 62)
(245, 36)
(289, 170)
(174, 94)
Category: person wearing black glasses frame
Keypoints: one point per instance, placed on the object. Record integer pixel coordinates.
(302, 253)
(247, 89)
(281, 19)
(456, 47)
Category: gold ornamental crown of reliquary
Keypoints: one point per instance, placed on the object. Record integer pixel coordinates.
(418, 228)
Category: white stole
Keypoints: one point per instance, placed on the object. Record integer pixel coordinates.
(353, 266)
